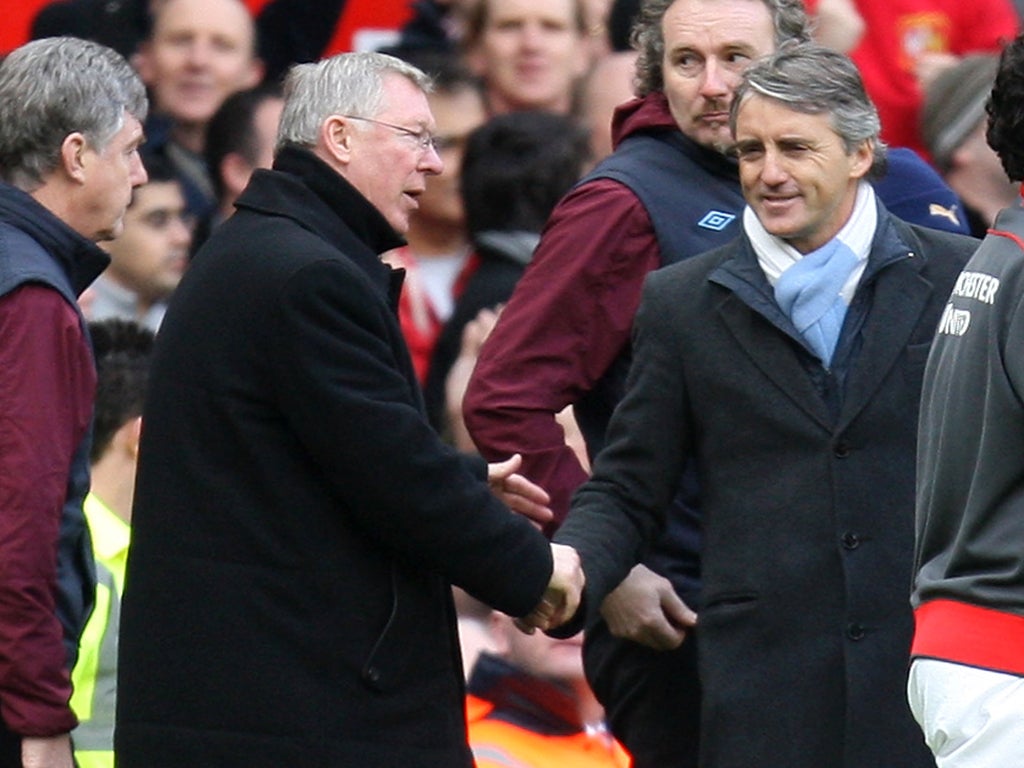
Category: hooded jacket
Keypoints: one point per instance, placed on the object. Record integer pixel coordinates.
(47, 385)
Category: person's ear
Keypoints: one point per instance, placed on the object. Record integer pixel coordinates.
(132, 434)
(253, 74)
(498, 628)
(235, 171)
(142, 61)
(72, 156)
(476, 59)
(336, 137)
(863, 159)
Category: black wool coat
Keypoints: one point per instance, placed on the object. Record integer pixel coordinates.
(807, 497)
(297, 523)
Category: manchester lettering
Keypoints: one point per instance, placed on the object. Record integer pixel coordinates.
(978, 286)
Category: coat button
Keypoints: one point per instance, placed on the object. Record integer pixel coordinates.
(855, 631)
(842, 450)
(373, 675)
(851, 540)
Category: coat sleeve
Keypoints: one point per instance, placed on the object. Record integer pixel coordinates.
(346, 390)
(619, 511)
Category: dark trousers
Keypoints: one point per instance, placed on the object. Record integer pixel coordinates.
(651, 698)
(10, 748)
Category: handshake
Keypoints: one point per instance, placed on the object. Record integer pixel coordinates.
(562, 597)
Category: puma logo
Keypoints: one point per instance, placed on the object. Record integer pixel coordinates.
(940, 210)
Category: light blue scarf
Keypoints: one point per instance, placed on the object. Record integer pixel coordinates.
(815, 289)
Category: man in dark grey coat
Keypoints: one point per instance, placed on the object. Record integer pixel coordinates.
(297, 524)
(788, 365)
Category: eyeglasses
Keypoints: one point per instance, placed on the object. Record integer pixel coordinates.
(425, 140)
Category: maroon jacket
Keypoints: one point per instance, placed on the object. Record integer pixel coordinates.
(47, 381)
(567, 322)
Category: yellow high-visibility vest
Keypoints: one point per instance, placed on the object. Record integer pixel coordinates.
(95, 674)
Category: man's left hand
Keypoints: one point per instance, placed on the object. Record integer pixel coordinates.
(518, 493)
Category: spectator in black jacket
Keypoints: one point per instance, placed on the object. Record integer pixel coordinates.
(516, 168)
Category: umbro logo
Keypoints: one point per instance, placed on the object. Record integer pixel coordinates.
(716, 220)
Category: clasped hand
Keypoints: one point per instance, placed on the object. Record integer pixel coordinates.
(562, 597)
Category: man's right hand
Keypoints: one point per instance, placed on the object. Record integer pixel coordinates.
(645, 608)
(46, 751)
(562, 597)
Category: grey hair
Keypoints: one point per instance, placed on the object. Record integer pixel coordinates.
(816, 80)
(648, 38)
(53, 87)
(346, 84)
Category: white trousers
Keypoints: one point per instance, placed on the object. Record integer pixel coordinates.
(971, 718)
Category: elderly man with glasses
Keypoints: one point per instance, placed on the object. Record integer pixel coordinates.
(297, 523)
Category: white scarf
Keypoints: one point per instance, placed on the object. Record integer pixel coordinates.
(775, 255)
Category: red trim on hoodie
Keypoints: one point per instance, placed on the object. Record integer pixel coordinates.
(969, 634)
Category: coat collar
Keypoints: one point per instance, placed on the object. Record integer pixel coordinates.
(302, 187)
(79, 258)
(333, 207)
(895, 296)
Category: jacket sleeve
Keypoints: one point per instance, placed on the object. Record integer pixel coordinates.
(568, 319)
(619, 511)
(46, 385)
(341, 361)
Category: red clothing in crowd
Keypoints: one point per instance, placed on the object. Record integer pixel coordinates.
(18, 16)
(421, 326)
(41, 363)
(899, 31)
(359, 17)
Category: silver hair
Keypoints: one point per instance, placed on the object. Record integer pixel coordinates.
(648, 38)
(53, 87)
(346, 84)
(816, 80)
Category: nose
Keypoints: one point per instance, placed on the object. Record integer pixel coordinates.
(773, 171)
(431, 162)
(530, 36)
(137, 172)
(181, 232)
(198, 53)
(716, 80)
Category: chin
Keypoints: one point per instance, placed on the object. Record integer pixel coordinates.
(110, 233)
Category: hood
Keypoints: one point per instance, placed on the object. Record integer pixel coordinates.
(516, 246)
(649, 114)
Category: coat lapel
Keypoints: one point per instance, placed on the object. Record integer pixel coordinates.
(900, 297)
(774, 355)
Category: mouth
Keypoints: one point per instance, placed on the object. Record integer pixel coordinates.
(714, 118)
(178, 262)
(777, 203)
(412, 196)
(531, 68)
(194, 89)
